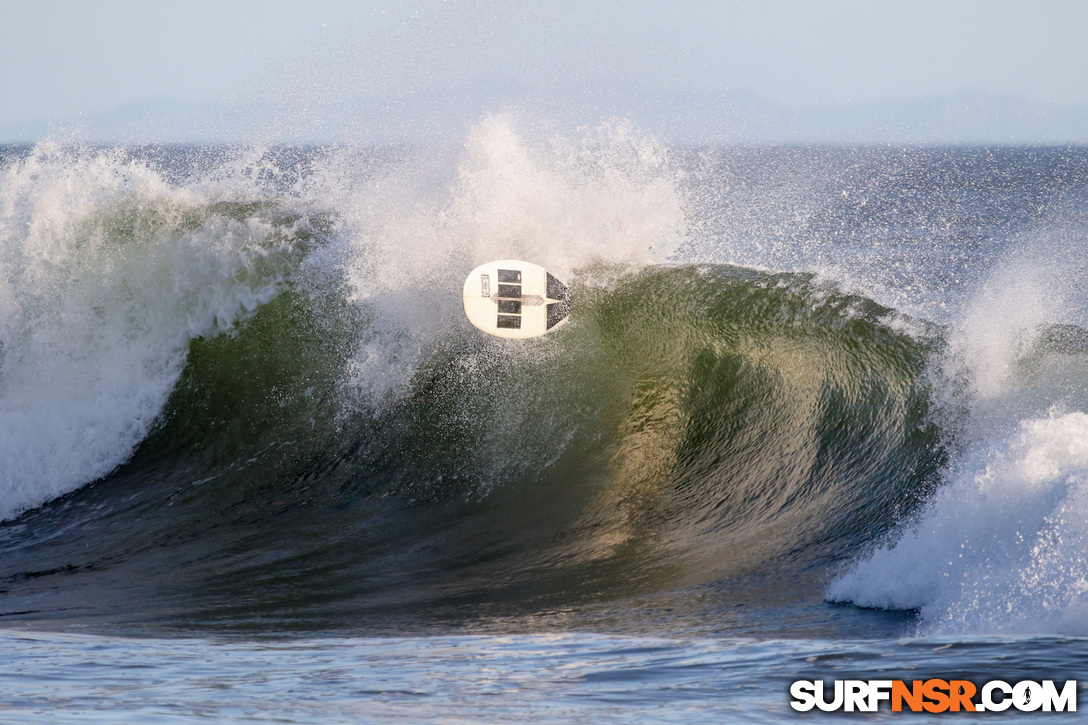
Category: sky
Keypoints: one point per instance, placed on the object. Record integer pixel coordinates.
(73, 63)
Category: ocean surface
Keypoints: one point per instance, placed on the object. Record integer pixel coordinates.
(819, 412)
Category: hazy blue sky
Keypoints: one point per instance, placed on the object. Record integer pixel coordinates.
(62, 59)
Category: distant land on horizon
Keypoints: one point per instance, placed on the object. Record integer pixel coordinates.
(689, 117)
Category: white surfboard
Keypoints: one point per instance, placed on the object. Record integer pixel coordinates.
(515, 299)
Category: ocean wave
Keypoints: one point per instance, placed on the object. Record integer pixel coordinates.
(237, 389)
(693, 424)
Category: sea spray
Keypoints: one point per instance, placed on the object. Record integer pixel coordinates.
(604, 195)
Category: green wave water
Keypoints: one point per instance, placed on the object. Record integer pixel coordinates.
(695, 424)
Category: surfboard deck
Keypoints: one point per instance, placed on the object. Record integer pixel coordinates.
(515, 299)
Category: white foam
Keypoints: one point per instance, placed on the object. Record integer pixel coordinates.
(1003, 548)
(106, 273)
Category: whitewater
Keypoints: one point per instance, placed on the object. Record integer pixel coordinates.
(819, 412)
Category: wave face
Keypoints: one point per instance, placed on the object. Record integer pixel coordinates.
(697, 424)
(237, 391)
